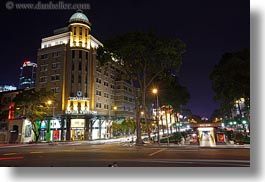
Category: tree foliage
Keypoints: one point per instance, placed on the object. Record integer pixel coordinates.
(231, 78)
(32, 105)
(171, 92)
(142, 57)
(126, 127)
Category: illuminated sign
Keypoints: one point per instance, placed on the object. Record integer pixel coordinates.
(81, 112)
(205, 124)
(77, 123)
(78, 98)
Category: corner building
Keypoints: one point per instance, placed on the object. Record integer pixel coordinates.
(85, 92)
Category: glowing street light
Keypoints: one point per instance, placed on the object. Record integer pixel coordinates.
(244, 122)
(155, 92)
(49, 102)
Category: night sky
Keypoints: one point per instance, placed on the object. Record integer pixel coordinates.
(208, 27)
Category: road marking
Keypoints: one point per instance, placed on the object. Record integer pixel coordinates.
(161, 150)
(10, 154)
(36, 152)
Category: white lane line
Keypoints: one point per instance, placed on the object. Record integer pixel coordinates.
(161, 150)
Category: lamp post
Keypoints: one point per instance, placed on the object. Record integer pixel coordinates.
(51, 104)
(155, 92)
(109, 122)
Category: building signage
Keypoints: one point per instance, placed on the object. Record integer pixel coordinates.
(77, 123)
(78, 98)
(74, 112)
(205, 124)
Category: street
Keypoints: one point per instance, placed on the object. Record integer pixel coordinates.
(83, 154)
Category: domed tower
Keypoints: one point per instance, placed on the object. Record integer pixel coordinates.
(79, 27)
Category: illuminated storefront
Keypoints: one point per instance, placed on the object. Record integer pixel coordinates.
(58, 133)
(20, 131)
(77, 129)
(206, 134)
(43, 126)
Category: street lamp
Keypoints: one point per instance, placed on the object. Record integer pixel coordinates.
(49, 102)
(109, 121)
(155, 92)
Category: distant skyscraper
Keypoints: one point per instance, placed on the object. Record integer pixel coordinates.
(27, 75)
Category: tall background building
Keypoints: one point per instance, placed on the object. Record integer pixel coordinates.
(89, 97)
(27, 75)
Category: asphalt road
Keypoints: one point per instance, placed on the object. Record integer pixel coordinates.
(126, 155)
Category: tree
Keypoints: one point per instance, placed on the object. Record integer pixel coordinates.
(126, 127)
(32, 105)
(231, 79)
(172, 96)
(129, 126)
(172, 93)
(142, 57)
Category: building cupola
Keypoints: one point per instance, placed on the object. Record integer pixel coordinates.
(79, 17)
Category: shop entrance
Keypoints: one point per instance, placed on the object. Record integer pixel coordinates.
(206, 136)
(42, 135)
(77, 134)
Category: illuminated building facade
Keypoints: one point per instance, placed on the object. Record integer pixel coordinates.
(27, 75)
(4, 88)
(13, 129)
(86, 93)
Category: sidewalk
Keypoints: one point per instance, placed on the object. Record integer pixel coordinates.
(149, 145)
(227, 146)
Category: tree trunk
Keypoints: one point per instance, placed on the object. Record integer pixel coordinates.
(162, 122)
(144, 110)
(138, 124)
(36, 133)
(170, 123)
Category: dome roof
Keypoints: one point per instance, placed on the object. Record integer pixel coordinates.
(79, 16)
